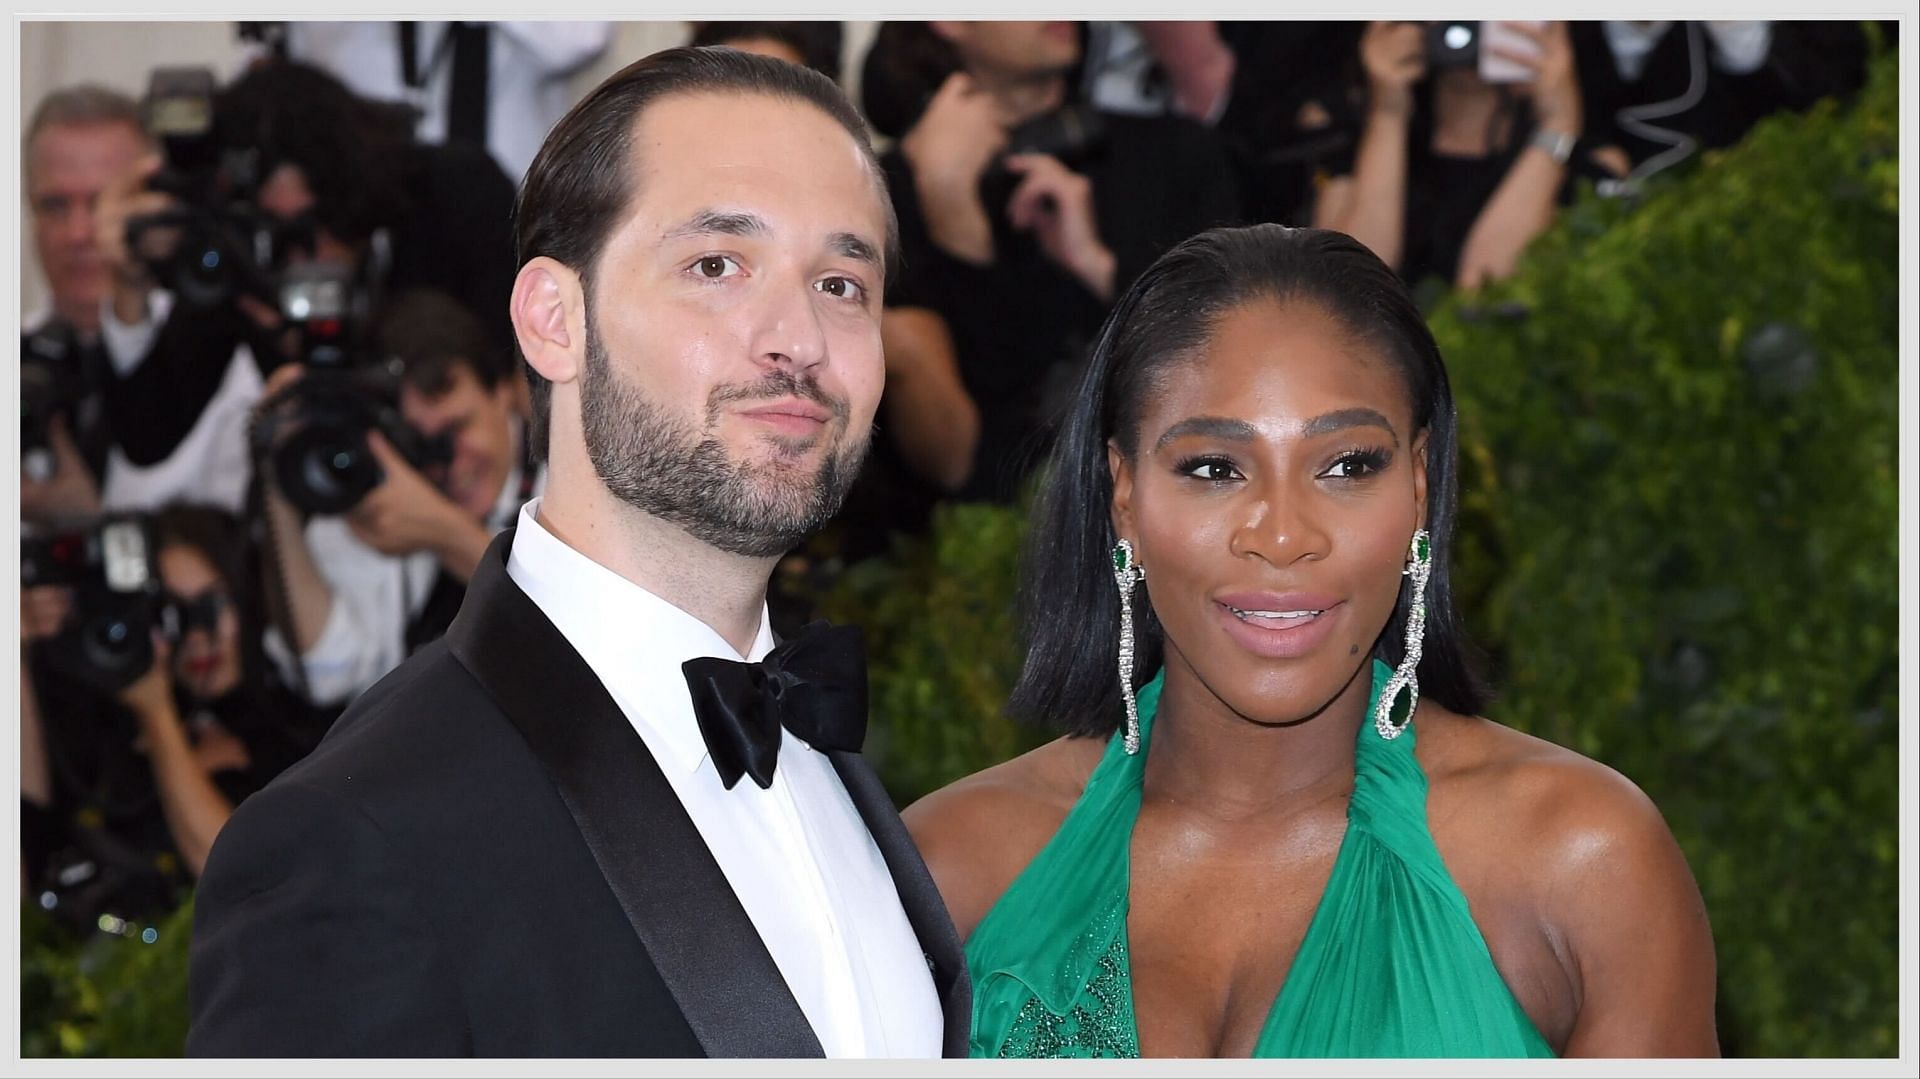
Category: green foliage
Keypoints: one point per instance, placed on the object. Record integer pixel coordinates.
(942, 649)
(110, 994)
(1679, 423)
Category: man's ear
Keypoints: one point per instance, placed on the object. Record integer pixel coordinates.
(1121, 510)
(549, 318)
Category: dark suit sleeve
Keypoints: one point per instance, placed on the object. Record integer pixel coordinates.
(308, 940)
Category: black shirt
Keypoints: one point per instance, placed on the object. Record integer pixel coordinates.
(1022, 326)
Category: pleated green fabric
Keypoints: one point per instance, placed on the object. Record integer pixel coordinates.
(1392, 964)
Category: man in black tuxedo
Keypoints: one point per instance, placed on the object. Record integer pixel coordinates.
(584, 823)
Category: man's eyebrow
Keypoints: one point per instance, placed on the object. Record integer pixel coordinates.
(742, 223)
(847, 245)
(718, 223)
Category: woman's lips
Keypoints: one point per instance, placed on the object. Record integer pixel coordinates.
(1278, 632)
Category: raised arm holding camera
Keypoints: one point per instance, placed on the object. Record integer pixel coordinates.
(1022, 213)
(283, 168)
(147, 712)
(382, 498)
(1472, 135)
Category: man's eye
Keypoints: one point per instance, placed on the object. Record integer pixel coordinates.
(845, 288)
(715, 267)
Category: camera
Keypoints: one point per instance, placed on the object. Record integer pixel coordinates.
(1453, 44)
(1074, 134)
(315, 439)
(216, 244)
(109, 566)
(50, 384)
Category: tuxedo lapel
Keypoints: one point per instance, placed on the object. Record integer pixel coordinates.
(926, 911)
(673, 892)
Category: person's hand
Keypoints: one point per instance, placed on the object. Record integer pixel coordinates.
(1394, 55)
(151, 695)
(406, 513)
(43, 611)
(121, 201)
(70, 491)
(957, 137)
(283, 376)
(1554, 89)
(1056, 205)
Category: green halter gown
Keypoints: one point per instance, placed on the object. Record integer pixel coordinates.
(1392, 964)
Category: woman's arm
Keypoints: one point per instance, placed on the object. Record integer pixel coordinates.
(1524, 204)
(194, 808)
(1620, 895)
(1370, 205)
(931, 418)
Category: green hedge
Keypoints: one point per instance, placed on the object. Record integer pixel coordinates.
(941, 646)
(120, 992)
(1681, 425)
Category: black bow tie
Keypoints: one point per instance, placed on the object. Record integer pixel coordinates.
(814, 685)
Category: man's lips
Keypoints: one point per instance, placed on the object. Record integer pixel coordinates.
(791, 416)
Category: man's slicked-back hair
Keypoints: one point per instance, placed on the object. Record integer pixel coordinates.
(581, 183)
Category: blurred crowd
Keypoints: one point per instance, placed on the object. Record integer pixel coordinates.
(273, 414)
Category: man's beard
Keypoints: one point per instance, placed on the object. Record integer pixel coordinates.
(659, 464)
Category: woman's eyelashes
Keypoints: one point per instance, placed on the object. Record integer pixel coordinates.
(1216, 469)
(1209, 468)
(1356, 464)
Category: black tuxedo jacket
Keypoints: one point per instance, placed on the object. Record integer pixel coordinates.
(483, 859)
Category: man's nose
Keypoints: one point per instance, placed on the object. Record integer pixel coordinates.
(790, 333)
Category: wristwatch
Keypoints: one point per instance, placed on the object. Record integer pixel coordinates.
(1557, 144)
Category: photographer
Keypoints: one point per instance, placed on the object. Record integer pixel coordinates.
(364, 588)
(78, 140)
(1454, 173)
(1022, 215)
(133, 770)
(327, 177)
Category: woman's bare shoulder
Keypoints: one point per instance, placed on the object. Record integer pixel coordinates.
(979, 832)
(1562, 798)
(1595, 861)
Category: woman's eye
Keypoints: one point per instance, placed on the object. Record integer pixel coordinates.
(715, 267)
(845, 288)
(1353, 466)
(1211, 469)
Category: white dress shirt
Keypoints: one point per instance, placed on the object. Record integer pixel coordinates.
(1739, 46)
(796, 854)
(375, 597)
(529, 74)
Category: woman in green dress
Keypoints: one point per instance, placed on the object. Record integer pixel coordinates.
(1277, 825)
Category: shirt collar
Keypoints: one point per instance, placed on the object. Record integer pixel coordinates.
(633, 640)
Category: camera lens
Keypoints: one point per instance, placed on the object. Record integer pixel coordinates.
(203, 272)
(114, 648)
(327, 468)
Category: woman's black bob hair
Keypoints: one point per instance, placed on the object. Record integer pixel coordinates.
(1069, 607)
